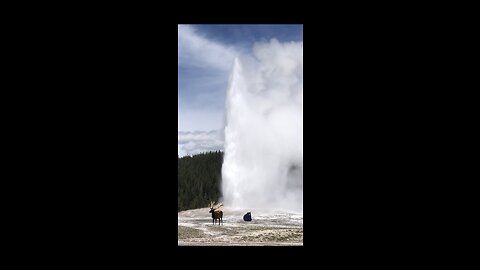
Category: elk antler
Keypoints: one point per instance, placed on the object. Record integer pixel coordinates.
(212, 205)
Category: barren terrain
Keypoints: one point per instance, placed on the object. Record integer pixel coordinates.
(267, 228)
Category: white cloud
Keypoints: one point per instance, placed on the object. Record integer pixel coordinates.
(195, 142)
(196, 50)
(203, 108)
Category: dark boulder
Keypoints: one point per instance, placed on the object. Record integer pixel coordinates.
(247, 217)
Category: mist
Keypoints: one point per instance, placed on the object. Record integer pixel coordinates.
(263, 148)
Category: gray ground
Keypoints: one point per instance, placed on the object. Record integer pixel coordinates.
(195, 227)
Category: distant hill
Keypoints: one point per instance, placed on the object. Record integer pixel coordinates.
(199, 179)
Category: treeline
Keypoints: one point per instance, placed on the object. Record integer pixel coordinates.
(199, 179)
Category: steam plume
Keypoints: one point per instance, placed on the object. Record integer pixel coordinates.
(263, 162)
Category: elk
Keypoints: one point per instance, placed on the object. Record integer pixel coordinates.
(216, 214)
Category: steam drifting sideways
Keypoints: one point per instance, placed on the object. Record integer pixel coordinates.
(263, 161)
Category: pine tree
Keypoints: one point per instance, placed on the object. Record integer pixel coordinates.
(199, 179)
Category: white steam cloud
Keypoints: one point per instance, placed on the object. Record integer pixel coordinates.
(263, 162)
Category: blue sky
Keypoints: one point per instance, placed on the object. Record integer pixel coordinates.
(246, 34)
(205, 60)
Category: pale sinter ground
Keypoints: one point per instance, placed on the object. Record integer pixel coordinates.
(267, 228)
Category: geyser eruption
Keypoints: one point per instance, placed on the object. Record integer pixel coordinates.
(263, 161)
